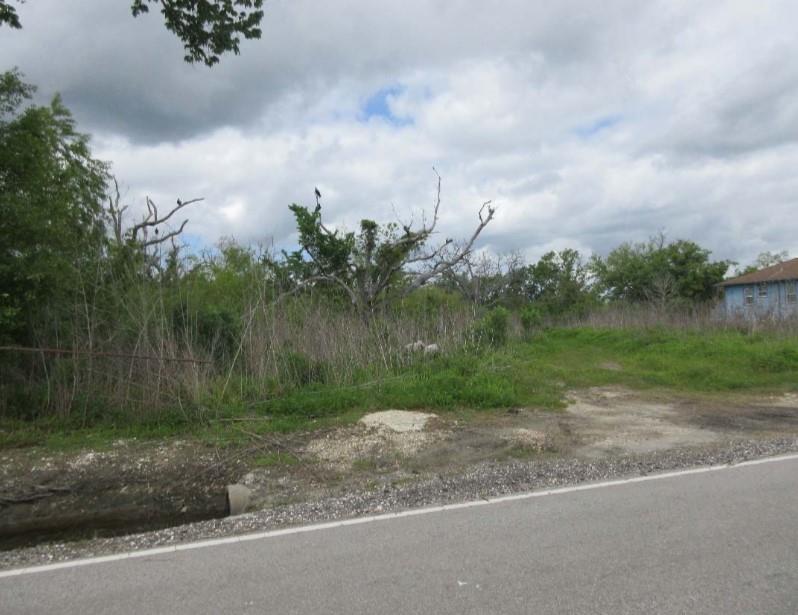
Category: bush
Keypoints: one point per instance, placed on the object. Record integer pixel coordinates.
(429, 302)
(218, 331)
(531, 319)
(493, 327)
(298, 370)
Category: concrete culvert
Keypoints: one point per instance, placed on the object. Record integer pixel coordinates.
(238, 497)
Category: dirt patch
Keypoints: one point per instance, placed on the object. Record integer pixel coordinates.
(401, 421)
(767, 416)
(531, 439)
(617, 420)
(134, 486)
(788, 400)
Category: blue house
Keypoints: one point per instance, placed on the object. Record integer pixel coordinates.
(768, 293)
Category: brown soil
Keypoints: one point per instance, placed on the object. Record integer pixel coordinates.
(91, 493)
(143, 485)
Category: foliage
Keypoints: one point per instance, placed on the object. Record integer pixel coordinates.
(213, 293)
(207, 28)
(489, 280)
(493, 328)
(559, 284)
(534, 375)
(364, 266)
(299, 370)
(531, 319)
(765, 259)
(51, 218)
(8, 14)
(368, 266)
(659, 272)
(429, 302)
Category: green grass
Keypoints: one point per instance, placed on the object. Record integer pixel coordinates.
(535, 373)
(715, 361)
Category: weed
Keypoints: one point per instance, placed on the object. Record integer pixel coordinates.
(534, 373)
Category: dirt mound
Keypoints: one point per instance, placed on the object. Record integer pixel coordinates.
(379, 438)
(400, 421)
(531, 439)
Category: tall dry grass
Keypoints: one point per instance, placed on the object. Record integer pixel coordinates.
(130, 357)
(149, 348)
(700, 317)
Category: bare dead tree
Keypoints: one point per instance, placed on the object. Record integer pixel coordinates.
(448, 254)
(139, 232)
(662, 291)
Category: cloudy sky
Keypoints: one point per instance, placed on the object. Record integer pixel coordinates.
(587, 123)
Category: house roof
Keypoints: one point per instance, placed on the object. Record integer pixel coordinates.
(788, 270)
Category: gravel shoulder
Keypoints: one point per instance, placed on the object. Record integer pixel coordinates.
(482, 481)
(413, 460)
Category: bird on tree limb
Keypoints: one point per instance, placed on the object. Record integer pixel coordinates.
(152, 220)
(368, 264)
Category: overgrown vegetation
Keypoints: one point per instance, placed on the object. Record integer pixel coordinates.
(107, 326)
(536, 373)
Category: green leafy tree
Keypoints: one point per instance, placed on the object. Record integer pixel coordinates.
(488, 280)
(207, 28)
(559, 283)
(51, 205)
(366, 265)
(8, 14)
(659, 272)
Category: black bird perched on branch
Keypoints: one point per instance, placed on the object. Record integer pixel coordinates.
(318, 196)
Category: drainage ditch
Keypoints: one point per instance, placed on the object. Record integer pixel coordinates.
(60, 518)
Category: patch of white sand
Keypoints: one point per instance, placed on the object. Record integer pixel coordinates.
(400, 421)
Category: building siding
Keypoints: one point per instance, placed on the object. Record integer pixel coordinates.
(775, 305)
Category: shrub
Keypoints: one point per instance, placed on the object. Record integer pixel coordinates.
(531, 319)
(298, 370)
(218, 331)
(429, 302)
(493, 327)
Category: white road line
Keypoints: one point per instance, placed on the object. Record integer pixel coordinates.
(384, 517)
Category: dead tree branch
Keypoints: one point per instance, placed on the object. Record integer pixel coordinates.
(440, 265)
(139, 232)
(367, 264)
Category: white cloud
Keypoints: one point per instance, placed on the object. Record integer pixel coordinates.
(586, 125)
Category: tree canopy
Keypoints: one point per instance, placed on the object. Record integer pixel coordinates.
(765, 259)
(560, 283)
(659, 272)
(51, 202)
(366, 265)
(207, 28)
(8, 14)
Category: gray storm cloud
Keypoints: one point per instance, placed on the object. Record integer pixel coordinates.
(587, 125)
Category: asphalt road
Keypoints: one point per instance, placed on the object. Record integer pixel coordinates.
(719, 542)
